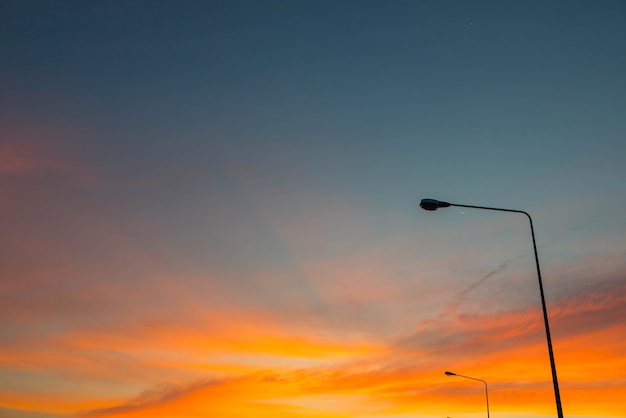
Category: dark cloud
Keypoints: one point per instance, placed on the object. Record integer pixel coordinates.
(597, 307)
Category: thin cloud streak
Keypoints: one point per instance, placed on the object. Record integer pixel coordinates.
(151, 398)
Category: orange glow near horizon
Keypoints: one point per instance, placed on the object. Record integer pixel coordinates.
(263, 371)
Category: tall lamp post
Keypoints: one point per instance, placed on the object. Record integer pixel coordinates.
(432, 204)
(473, 378)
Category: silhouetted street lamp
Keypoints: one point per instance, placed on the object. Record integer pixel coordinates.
(473, 378)
(432, 204)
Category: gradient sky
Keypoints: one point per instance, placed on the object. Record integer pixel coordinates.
(210, 208)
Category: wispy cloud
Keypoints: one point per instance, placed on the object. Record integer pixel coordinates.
(151, 398)
(460, 297)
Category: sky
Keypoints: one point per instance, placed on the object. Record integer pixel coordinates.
(211, 208)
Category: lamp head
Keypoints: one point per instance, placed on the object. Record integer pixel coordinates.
(450, 374)
(433, 204)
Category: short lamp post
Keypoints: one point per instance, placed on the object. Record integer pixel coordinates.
(432, 205)
(473, 378)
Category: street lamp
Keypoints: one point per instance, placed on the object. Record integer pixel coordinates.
(473, 378)
(433, 204)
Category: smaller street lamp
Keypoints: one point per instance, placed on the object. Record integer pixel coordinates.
(473, 378)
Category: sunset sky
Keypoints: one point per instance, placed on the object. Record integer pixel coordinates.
(211, 208)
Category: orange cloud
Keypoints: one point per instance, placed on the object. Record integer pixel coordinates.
(405, 378)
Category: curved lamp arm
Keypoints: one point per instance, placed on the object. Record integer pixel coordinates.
(479, 380)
